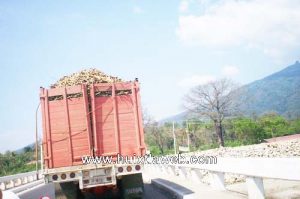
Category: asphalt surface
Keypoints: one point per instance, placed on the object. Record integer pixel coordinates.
(150, 192)
(153, 192)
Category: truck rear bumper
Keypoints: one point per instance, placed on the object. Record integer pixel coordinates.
(91, 175)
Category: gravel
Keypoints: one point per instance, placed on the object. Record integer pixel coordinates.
(282, 149)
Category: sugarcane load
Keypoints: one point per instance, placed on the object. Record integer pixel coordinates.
(90, 114)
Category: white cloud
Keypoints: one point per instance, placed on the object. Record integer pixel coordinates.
(272, 26)
(230, 71)
(137, 10)
(196, 80)
(184, 6)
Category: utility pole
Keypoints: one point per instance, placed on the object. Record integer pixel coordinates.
(174, 138)
(188, 135)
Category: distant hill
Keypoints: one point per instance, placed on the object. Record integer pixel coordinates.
(22, 150)
(179, 118)
(279, 92)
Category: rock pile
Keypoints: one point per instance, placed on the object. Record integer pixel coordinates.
(266, 150)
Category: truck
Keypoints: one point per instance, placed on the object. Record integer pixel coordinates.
(84, 123)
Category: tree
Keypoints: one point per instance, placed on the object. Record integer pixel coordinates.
(27, 149)
(294, 126)
(247, 130)
(154, 134)
(273, 124)
(214, 101)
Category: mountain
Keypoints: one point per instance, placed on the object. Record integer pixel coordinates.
(178, 118)
(279, 92)
(21, 150)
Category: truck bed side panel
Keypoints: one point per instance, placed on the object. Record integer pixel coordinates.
(66, 124)
(117, 119)
(105, 120)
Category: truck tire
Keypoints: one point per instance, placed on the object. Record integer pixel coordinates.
(68, 190)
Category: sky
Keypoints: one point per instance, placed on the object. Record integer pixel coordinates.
(170, 46)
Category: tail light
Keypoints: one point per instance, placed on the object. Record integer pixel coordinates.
(63, 176)
(72, 175)
(54, 177)
(129, 168)
(120, 169)
(137, 167)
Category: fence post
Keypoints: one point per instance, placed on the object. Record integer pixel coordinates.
(218, 180)
(182, 172)
(3, 186)
(172, 170)
(12, 184)
(196, 175)
(255, 188)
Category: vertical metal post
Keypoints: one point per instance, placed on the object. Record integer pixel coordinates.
(174, 138)
(36, 141)
(136, 115)
(88, 115)
(140, 119)
(48, 133)
(116, 118)
(68, 126)
(42, 159)
(96, 147)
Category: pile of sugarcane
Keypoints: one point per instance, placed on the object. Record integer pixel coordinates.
(87, 76)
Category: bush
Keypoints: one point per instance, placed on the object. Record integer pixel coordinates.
(12, 163)
(154, 150)
(273, 125)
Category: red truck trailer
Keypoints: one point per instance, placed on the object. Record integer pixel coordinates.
(89, 121)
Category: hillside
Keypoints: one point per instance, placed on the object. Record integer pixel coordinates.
(179, 118)
(17, 162)
(279, 92)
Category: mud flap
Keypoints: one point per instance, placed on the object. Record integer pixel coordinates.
(131, 186)
(67, 190)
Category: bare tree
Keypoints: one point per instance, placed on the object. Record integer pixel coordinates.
(213, 100)
(155, 135)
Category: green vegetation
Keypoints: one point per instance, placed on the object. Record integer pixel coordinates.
(159, 138)
(237, 131)
(13, 163)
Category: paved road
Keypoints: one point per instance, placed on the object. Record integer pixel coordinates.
(200, 190)
(48, 190)
(153, 192)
